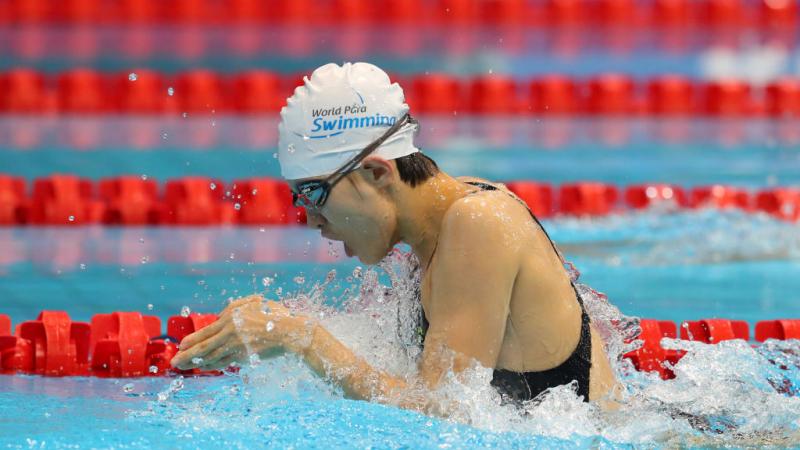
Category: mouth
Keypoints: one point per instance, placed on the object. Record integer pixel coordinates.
(348, 251)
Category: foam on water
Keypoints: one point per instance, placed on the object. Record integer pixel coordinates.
(725, 394)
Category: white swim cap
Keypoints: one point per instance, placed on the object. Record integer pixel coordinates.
(335, 114)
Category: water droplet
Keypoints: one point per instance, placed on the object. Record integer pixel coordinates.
(141, 240)
(197, 361)
(164, 136)
(149, 306)
(71, 218)
(128, 388)
(145, 259)
(299, 279)
(261, 230)
(170, 91)
(275, 155)
(83, 266)
(144, 176)
(153, 369)
(254, 360)
(290, 148)
(357, 272)
(237, 206)
(266, 281)
(132, 76)
(213, 186)
(185, 311)
(270, 326)
(330, 276)
(185, 115)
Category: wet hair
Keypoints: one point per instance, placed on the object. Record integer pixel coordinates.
(416, 168)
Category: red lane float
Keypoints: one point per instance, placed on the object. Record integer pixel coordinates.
(52, 345)
(64, 200)
(651, 357)
(538, 196)
(5, 325)
(719, 196)
(203, 201)
(712, 331)
(563, 13)
(121, 344)
(778, 329)
(129, 344)
(88, 92)
(645, 195)
(588, 199)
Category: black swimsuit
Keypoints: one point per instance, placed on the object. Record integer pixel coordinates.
(517, 387)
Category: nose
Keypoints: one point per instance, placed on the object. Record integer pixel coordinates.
(314, 219)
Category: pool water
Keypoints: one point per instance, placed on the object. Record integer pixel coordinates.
(659, 264)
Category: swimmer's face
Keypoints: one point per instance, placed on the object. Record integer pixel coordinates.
(359, 211)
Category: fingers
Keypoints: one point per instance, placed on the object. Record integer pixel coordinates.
(184, 358)
(226, 362)
(212, 359)
(202, 334)
(241, 302)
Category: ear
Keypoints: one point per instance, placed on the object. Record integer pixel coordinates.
(378, 171)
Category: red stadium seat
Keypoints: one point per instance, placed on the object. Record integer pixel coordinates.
(712, 331)
(200, 91)
(22, 91)
(120, 343)
(783, 203)
(645, 195)
(435, 94)
(146, 95)
(130, 201)
(493, 94)
(13, 203)
(265, 201)
(611, 94)
(538, 196)
(193, 201)
(258, 92)
(727, 98)
(778, 329)
(554, 94)
(783, 98)
(82, 91)
(670, 95)
(720, 197)
(64, 200)
(587, 198)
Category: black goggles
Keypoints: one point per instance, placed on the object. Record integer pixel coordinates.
(314, 193)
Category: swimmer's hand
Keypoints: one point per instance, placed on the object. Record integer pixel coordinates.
(248, 326)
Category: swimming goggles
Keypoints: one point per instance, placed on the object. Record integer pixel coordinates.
(314, 193)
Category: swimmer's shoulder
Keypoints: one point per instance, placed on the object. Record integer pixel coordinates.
(493, 212)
